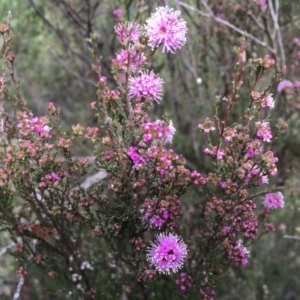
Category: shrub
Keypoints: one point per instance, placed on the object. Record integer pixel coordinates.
(126, 231)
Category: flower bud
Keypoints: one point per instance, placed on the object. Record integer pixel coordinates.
(10, 57)
(4, 28)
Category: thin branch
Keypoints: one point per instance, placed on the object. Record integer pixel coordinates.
(3, 251)
(277, 31)
(18, 291)
(292, 237)
(93, 179)
(211, 15)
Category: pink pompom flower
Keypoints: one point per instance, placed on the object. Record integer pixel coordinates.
(167, 28)
(273, 200)
(148, 85)
(167, 253)
(128, 31)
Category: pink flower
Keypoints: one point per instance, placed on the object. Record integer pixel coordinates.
(207, 126)
(270, 160)
(283, 85)
(250, 152)
(54, 176)
(167, 253)
(136, 158)
(131, 56)
(226, 229)
(169, 132)
(268, 101)
(148, 85)
(264, 179)
(264, 131)
(263, 2)
(296, 84)
(158, 130)
(147, 138)
(167, 28)
(238, 253)
(159, 220)
(117, 12)
(273, 200)
(220, 154)
(128, 32)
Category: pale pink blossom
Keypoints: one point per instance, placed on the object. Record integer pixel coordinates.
(264, 131)
(283, 85)
(167, 28)
(147, 85)
(273, 200)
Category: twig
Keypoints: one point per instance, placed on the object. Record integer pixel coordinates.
(94, 179)
(277, 31)
(18, 291)
(292, 237)
(210, 14)
(3, 251)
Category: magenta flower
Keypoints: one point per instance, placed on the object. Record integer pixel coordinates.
(131, 57)
(148, 85)
(158, 130)
(117, 12)
(220, 154)
(157, 220)
(238, 253)
(225, 229)
(54, 176)
(128, 32)
(250, 152)
(167, 28)
(167, 253)
(273, 200)
(264, 131)
(136, 158)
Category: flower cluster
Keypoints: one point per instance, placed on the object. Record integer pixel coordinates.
(185, 281)
(270, 161)
(161, 212)
(28, 125)
(137, 159)
(264, 131)
(238, 253)
(158, 130)
(207, 126)
(129, 59)
(267, 101)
